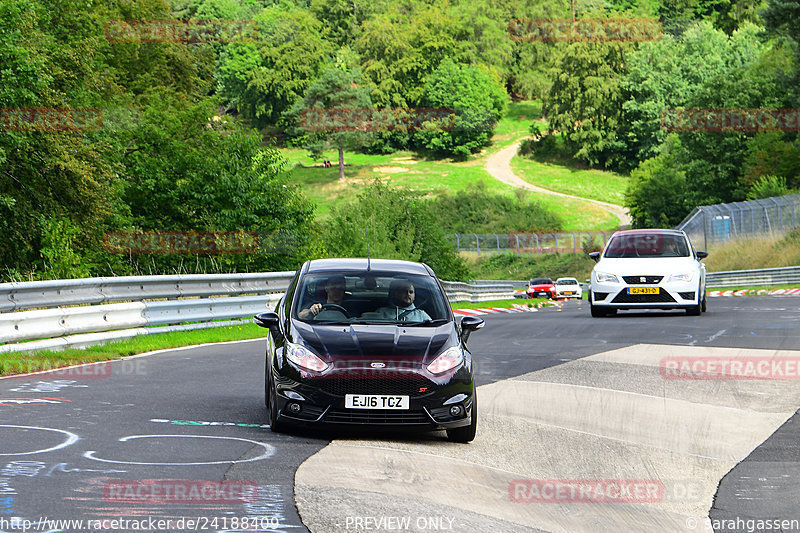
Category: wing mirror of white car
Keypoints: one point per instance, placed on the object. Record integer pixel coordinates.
(701, 255)
(595, 256)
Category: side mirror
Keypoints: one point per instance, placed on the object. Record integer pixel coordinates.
(267, 320)
(701, 255)
(595, 256)
(468, 325)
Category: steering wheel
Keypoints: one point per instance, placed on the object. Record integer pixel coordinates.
(336, 307)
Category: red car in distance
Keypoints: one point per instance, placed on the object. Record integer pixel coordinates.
(541, 288)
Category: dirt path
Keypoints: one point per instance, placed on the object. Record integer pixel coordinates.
(499, 166)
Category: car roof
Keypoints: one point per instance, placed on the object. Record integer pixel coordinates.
(571, 279)
(360, 264)
(647, 231)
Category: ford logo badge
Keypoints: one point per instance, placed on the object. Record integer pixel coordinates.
(378, 365)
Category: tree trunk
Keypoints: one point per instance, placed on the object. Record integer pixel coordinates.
(341, 162)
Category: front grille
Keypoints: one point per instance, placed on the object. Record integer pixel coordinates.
(625, 298)
(687, 295)
(376, 416)
(637, 280)
(413, 385)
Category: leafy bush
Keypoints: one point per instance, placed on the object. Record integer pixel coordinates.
(476, 210)
(389, 223)
(767, 187)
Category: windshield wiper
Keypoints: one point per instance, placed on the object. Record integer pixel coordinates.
(436, 322)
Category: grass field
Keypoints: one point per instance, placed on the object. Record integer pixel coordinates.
(586, 183)
(401, 169)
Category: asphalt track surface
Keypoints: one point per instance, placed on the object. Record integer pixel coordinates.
(80, 444)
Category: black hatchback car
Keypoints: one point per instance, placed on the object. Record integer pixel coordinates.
(369, 342)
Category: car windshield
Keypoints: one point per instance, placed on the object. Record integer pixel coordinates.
(369, 298)
(541, 281)
(647, 245)
(566, 282)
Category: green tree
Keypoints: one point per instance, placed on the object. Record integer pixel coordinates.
(656, 195)
(336, 111)
(265, 78)
(585, 100)
(478, 101)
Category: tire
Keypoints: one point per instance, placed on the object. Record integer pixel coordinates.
(274, 424)
(466, 433)
(596, 311)
(695, 310)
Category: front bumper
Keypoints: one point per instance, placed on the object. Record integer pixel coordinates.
(671, 295)
(321, 400)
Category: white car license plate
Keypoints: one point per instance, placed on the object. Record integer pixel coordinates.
(375, 401)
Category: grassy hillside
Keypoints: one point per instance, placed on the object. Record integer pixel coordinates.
(765, 252)
(407, 169)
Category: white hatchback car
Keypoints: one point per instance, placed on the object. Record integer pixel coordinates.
(648, 268)
(568, 288)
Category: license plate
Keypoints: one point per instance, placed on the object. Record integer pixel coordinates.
(569, 293)
(375, 401)
(542, 293)
(643, 290)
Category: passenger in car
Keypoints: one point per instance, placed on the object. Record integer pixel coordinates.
(402, 308)
(334, 289)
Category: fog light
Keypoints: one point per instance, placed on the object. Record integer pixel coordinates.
(294, 407)
(455, 410)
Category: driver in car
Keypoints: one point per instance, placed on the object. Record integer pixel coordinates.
(334, 289)
(401, 295)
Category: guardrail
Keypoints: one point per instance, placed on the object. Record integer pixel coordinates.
(763, 276)
(80, 312)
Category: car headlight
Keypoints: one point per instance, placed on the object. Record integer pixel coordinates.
(304, 358)
(602, 277)
(447, 360)
(685, 276)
